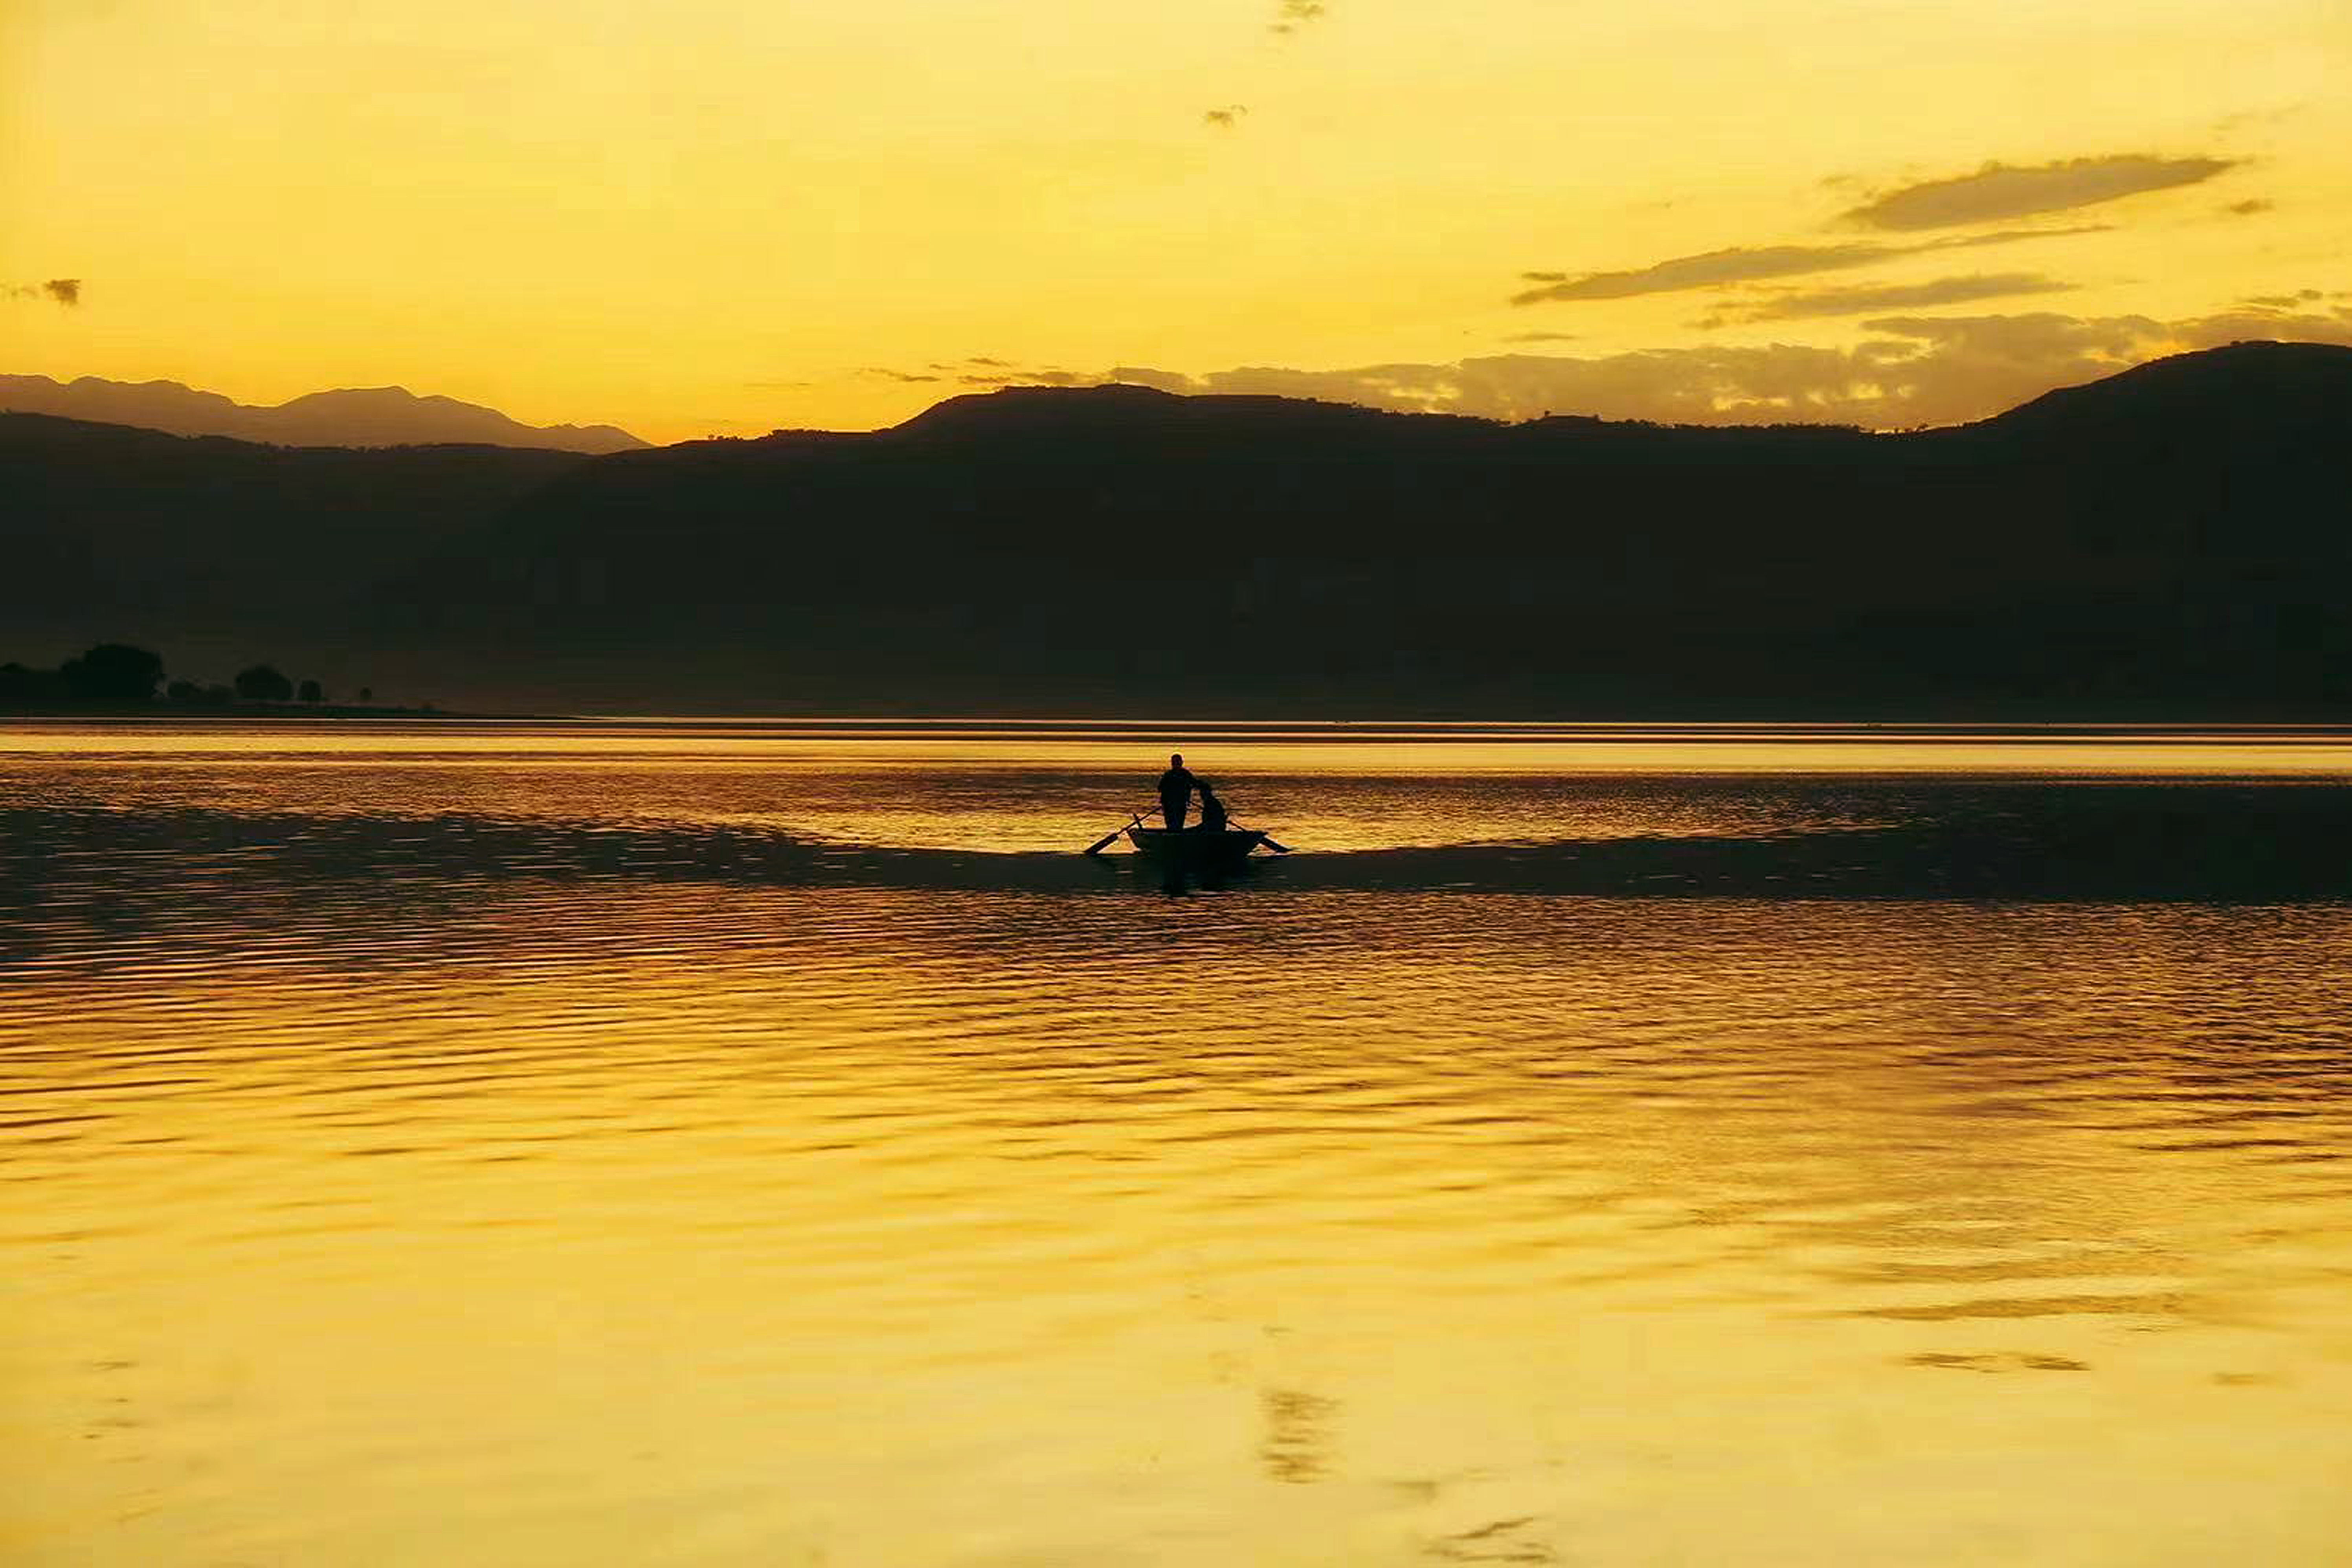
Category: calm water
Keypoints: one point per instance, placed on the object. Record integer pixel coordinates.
(736, 1145)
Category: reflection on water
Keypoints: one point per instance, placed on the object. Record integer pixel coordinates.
(1298, 1433)
(587, 1159)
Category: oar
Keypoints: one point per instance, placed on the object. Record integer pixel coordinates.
(1264, 838)
(1108, 839)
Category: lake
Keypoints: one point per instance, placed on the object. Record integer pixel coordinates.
(755, 1142)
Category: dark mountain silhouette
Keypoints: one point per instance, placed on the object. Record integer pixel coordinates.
(371, 417)
(2168, 542)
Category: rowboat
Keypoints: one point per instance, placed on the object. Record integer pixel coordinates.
(1195, 849)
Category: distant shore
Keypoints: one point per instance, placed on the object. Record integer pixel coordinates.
(298, 711)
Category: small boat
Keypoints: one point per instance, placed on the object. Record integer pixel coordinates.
(1195, 849)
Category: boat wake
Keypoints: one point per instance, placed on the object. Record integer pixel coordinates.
(2202, 846)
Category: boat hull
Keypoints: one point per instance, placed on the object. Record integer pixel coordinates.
(1192, 847)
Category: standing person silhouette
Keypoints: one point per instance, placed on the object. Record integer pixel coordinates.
(1175, 792)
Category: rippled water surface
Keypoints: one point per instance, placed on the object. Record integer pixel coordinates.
(747, 1145)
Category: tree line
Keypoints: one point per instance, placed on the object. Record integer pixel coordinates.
(117, 675)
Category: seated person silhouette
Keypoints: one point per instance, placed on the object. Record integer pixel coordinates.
(1212, 810)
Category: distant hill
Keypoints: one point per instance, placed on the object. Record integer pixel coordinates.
(2170, 542)
(370, 416)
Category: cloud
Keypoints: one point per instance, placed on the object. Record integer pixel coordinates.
(1225, 119)
(976, 370)
(1863, 298)
(1739, 264)
(2251, 207)
(1144, 375)
(1911, 371)
(1030, 378)
(1291, 15)
(1542, 338)
(66, 292)
(1749, 264)
(2001, 191)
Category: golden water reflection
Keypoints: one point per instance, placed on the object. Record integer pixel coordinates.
(401, 1216)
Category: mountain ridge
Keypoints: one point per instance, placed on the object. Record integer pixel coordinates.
(2157, 545)
(340, 417)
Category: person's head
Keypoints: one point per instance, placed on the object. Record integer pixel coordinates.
(1176, 759)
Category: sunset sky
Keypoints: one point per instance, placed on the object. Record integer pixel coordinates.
(695, 218)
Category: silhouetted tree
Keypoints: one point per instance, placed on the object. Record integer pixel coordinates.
(113, 672)
(367, 693)
(184, 691)
(21, 687)
(263, 683)
(312, 692)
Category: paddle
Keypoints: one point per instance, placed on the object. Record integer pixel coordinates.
(1264, 838)
(1108, 839)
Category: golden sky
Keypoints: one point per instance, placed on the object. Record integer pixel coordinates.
(694, 218)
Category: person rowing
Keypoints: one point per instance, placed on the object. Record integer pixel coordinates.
(1176, 787)
(1216, 836)
(1212, 810)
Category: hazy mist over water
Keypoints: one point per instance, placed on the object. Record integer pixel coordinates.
(763, 1143)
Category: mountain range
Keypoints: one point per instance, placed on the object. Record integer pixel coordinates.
(352, 417)
(2168, 543)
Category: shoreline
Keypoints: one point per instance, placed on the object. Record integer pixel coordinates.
(1197, 727)
(336, 712)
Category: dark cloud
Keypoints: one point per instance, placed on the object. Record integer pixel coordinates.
(2011, 235)
(1750, 264)
(1226, 118)
(65, 292)
(2301, 296)
(976, 370)
(2251, 207)
(2001, 191)
(1291, 15)
(1739, 264)
(1030, 378)
(1911, 370)
(1541, 338)
(1143, 375)
(1862, 299)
